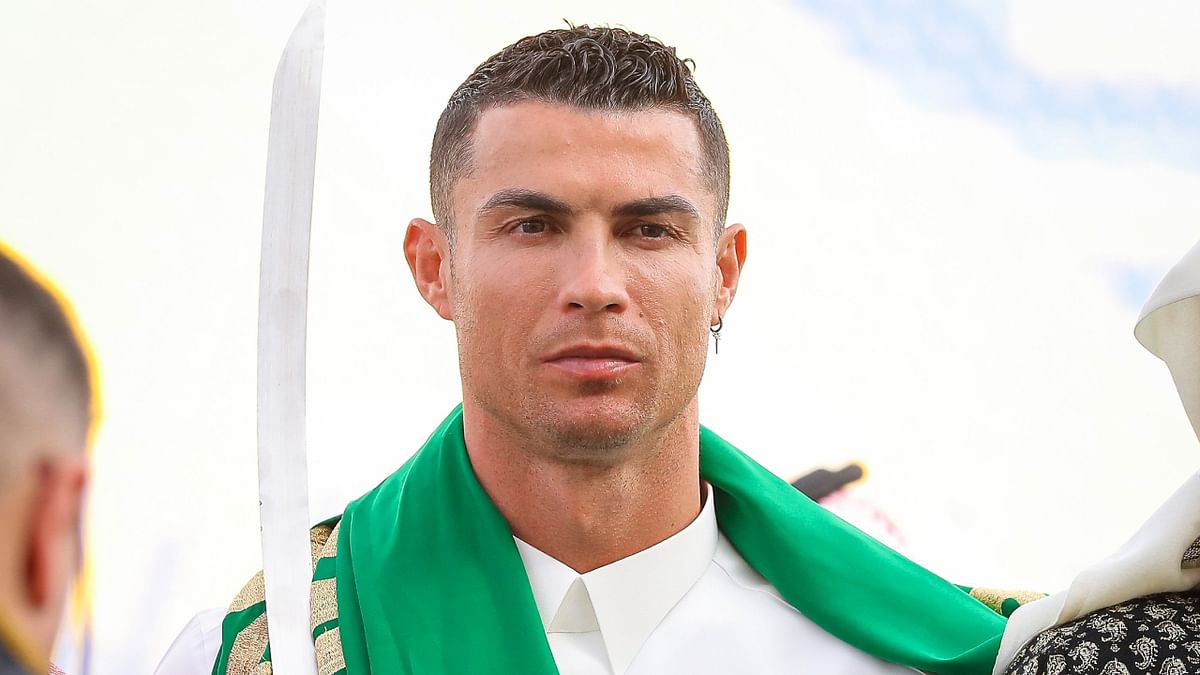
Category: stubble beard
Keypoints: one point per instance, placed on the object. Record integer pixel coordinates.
(572, 431)
(593, 426)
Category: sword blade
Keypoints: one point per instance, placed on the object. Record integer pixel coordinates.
(282, 314)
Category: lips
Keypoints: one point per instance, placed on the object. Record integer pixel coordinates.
(594, 361)
(604, 352)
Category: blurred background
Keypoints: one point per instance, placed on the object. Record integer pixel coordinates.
(956, 210)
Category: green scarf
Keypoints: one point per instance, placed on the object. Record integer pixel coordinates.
(429, 579)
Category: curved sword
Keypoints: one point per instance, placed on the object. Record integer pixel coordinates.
(282, 312)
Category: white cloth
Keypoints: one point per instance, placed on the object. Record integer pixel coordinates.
(1170, 328)
(689, 604)
(195, 650)
(1150, 562)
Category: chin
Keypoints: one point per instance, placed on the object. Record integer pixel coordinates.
(590, 427)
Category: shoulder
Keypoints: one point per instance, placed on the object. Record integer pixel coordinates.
(195, 648)
(244, 629)
(1157, 634)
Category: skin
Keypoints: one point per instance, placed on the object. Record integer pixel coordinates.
(584, 278)
(41, 496)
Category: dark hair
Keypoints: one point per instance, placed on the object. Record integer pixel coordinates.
(33, 320)
(589, 68)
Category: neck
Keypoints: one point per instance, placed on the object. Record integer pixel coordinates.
(589, 515)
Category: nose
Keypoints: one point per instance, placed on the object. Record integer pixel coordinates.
(594, 279)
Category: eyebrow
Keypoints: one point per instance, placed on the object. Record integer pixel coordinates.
(655, 206)
(525, 199)
(532, 200)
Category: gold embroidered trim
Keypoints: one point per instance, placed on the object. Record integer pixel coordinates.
(329, 545)
(318, 537)
(330, 658)
(245, 656)
(252, 593)
(248, 648)
(994, 598)
(323, 602)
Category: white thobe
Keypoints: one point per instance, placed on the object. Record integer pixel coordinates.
(689, 604)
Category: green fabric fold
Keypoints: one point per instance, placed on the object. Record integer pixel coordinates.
(430, 581)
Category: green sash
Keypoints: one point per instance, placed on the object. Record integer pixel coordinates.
(429, 579)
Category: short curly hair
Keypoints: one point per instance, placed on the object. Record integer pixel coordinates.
(590, 68)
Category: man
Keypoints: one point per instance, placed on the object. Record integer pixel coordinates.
(572, 515)
(45, 418)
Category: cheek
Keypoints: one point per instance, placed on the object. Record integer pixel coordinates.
(676, 299)
(497, 305)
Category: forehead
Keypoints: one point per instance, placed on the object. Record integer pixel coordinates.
(586, 155)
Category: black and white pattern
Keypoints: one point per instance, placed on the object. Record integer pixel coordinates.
(1191, 557)
(1154, 635)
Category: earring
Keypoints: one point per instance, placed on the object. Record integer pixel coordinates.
(716, 333)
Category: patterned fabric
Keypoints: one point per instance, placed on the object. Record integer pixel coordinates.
(1154, 635)
(249, 654)
(1191, 557)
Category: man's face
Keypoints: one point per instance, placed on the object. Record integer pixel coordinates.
(584, 276)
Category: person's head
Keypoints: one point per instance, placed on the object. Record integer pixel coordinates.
(580, 181)
(45, 420)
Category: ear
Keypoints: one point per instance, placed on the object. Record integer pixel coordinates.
(428, 254)
(54, 549)
(731, 258)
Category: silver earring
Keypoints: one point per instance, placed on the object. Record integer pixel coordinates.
(716, 333)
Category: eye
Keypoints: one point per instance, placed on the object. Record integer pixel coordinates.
(531, 227)
(653, 231)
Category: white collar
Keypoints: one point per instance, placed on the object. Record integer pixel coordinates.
(627, 599)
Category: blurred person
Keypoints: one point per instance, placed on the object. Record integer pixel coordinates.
(572, 515)
(45, 421)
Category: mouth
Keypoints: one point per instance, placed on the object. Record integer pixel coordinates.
(594, 361)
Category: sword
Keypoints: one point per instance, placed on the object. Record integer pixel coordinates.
(282, 311)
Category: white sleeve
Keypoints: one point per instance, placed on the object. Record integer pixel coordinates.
(195, 650)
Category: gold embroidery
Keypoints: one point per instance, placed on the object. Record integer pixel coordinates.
(330, 658)
(318, 537)
(245, 656)
(329, 545)
(329, 652)
(994, 598)
(252, 593)
(323, 602)
(248, 648)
